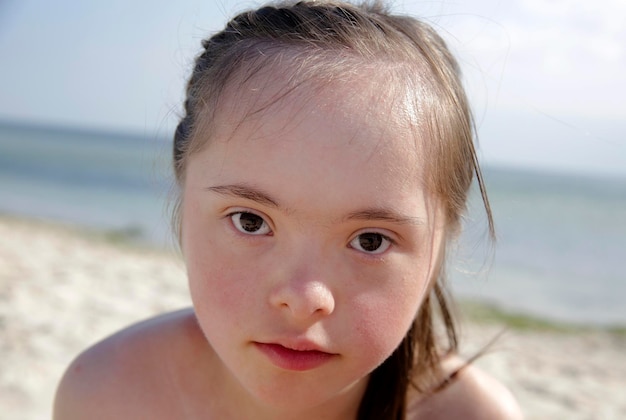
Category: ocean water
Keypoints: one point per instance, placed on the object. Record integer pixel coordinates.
(560, 247)
(99, 180)
(559, 253)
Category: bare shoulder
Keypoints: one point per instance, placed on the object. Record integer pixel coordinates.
(123, 375)
(472, 395)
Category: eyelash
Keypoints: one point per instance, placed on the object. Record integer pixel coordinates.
(387, 241)
(246, 232)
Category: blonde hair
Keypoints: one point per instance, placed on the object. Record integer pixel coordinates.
(326, 39)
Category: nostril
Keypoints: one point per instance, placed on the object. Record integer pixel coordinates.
(301, 301)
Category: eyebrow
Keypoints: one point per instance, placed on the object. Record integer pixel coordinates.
(385, 215)
(248, 192)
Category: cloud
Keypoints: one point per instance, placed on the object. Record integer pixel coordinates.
(561, 56)
(595, 29)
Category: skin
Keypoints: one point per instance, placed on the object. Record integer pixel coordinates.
(317, 178)
(316, 174)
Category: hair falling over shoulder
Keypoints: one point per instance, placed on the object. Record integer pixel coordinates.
(325, 39)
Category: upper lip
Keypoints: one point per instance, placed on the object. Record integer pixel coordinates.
(297, 345)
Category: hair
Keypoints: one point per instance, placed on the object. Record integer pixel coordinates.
(327, 40)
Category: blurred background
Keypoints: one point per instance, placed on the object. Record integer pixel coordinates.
(90, 93)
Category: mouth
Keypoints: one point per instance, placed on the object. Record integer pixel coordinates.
(302, 358)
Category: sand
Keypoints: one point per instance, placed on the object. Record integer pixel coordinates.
(62, 290)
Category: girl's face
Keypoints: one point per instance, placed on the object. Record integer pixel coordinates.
(309, 240)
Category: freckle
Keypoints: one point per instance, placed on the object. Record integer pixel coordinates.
(78, 368)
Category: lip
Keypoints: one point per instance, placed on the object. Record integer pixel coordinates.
(301, 358)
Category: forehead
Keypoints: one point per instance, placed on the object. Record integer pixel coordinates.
(363, 99)
(349, 140)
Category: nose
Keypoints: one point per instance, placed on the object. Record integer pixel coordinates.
(303, 298)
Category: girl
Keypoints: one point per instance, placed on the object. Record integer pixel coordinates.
(323, 162)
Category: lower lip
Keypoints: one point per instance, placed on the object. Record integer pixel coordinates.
(298, 360)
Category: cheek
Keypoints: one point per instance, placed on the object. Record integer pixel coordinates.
(215, 275)
(383, 318)
(218, 282)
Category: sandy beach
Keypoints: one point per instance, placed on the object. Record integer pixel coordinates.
(62, 290)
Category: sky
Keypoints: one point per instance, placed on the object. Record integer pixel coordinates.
(547, 78)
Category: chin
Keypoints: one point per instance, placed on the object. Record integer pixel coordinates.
(296, 393)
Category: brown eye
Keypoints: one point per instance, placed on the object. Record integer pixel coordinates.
(250, 223)
(371, 243)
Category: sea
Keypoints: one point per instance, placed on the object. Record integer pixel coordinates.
(559, 253)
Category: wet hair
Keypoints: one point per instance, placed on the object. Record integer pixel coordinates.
(321, 41)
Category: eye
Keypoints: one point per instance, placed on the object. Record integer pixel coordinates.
(371, 243)
(250, 223)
